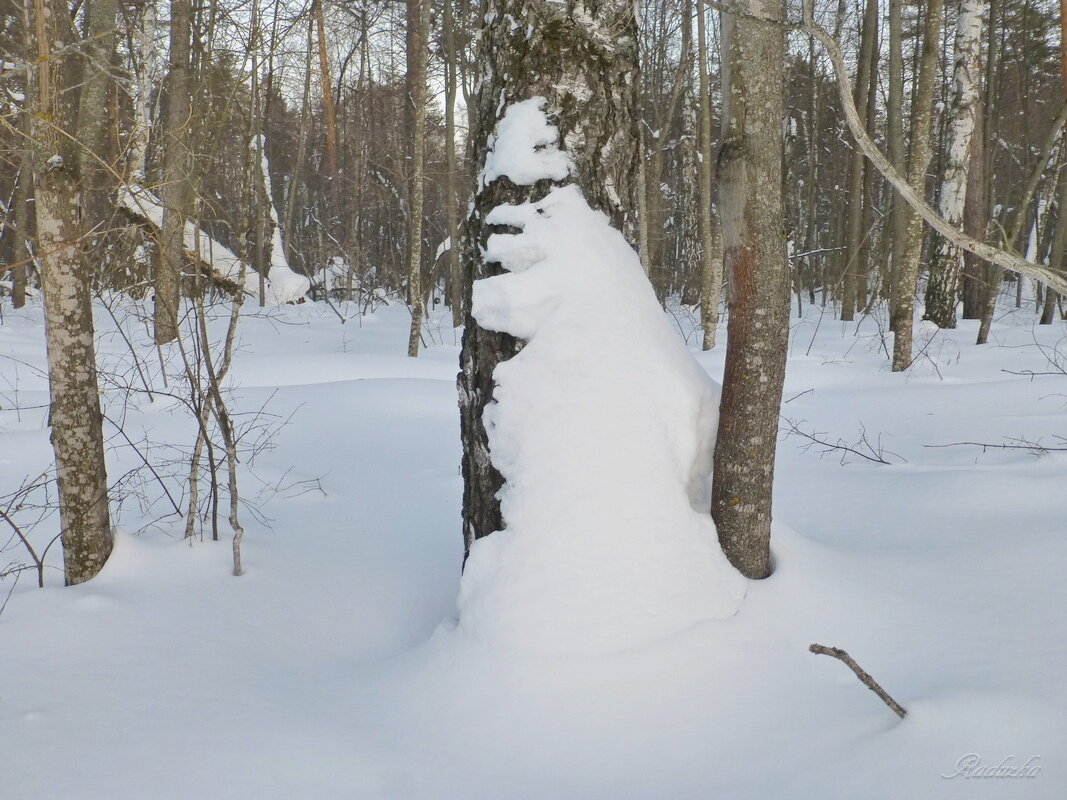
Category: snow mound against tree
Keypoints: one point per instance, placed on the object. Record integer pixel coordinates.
(603, 427)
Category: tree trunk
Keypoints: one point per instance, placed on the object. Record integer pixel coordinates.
(23, 193)
(711, 244)
(854, 233)
(975, 218)
(146, 75)
(1057, 252)
(326, 86)
(870, 201)
(417, 34)
(750, 191)
(77, 436)
(291, 205)
(997, 271)
(654, 165)
(911, 247)
(177, 184)
(895, 229)
(92, 121)
(942, 291)
(455, 273)
(582, 57)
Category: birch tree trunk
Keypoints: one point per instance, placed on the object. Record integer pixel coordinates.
(77, 436)
(582, 57)
(146, 75)
(417, 35)
(176, 179)
(942, 291)
(912, 226)
(750, 192)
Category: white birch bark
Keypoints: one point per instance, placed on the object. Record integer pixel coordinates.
(943, 288)
(147, 69)
(77, 432)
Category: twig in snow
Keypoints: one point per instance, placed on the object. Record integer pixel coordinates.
(1022, 444)
(860, 673)
(861, 447)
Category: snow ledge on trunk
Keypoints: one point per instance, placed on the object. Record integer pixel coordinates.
(603, 427)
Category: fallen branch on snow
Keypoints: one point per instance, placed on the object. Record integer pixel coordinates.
(1034, 447)
(864, 677)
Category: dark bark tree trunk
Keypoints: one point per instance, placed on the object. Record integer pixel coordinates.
(92, 121)
(910, 247)
(975, 219)
(895, 227)
(750, 192)
(856, 200)
(455, 279)
(418, 21)
(177, 184)
(1057, 257)
(22, 234)
(711, 242)
(582, 57)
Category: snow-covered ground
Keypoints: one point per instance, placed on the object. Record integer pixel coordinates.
(334, 668)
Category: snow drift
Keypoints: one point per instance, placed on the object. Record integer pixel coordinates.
(603, 428)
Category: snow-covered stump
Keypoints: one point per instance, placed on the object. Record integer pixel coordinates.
(603, 428)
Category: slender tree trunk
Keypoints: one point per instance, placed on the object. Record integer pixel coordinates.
(942, 291)
(919, 158)
(23, 193)
(92, 123)
(177, 184)
(77, 435)
(654, 199)
(417, 35)
(146, 76)
(854, 226)
(750, 190)
(583, 59)
(326, 85)
(1057, 258)
(455, 273)
(291, 204)
(711, 244)
(813, 223)
(975, 218)
(870, 201)
(1021, 214)
(896, 227)
(1058, 250)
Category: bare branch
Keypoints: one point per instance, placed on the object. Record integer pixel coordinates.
(860, 673)
(994, 255)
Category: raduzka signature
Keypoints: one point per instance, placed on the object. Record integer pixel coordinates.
(972, 766)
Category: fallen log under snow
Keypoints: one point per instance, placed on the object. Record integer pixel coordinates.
(219, 263)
